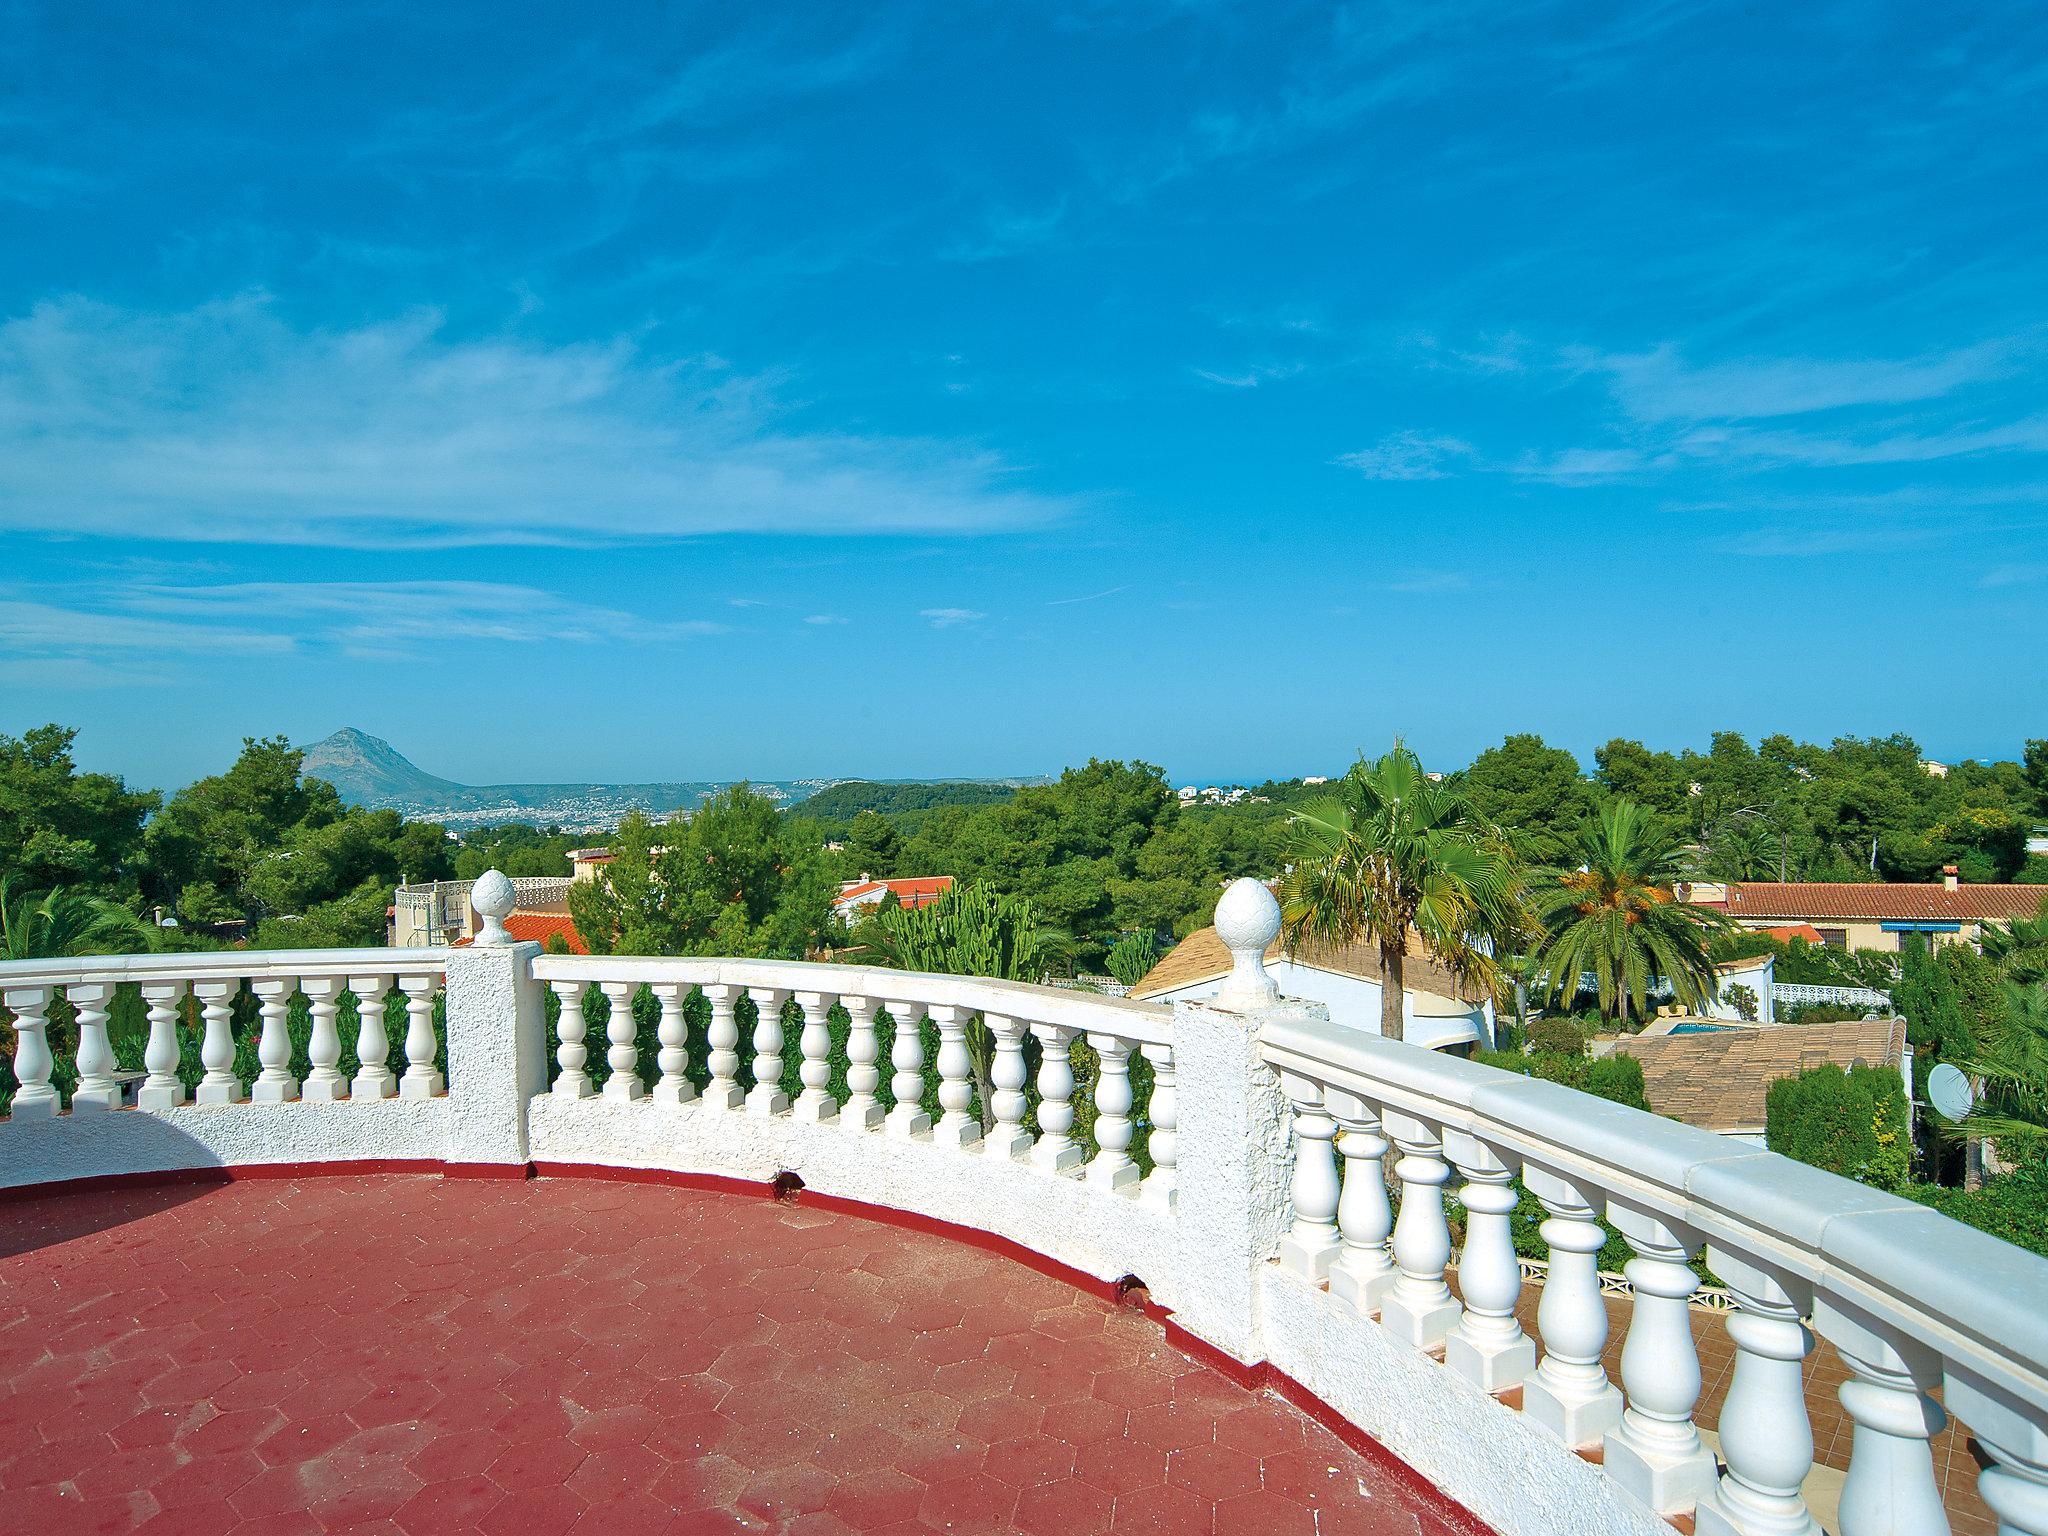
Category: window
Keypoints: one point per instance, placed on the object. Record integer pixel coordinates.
(1834, 938)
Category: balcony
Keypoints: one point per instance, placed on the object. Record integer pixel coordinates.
(758, 1260)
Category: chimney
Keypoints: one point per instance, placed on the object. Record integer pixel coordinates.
(1949, 874)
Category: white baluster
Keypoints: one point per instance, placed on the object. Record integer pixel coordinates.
(1766, 1438)
(1309, 1246)
(1363, 1271)
(1570, 1394)
(1056, 1150)
(1007, 1076)
(956, 1127)
(723, 1091)
(862, 1111)
(1655, 1452)
(572, 1082)
(1164, 1113)
(324, 1083)
(217, 1042)
(2016, 1485)
(374, 1077)
(422, 1078)
(906, 1084)
(1488, 1347)
(674, 1085)
(624, 1054)
(275, 1083)
(767, 1097)
(1112, 1167)
(1419, 1307)
(161, 1088)
(96, 1086)
(1891, 1489)
(815, 1102)
(34, 1099)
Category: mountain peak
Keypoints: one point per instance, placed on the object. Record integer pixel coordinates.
(368, 770)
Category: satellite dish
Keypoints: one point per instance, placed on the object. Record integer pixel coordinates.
(1949, 1090)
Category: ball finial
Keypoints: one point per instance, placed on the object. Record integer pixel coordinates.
(1247, 921)
(492, 898)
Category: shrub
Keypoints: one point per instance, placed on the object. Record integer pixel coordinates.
(1743, 1000)
(1558, 1037)
(1852, 1123)
(2012, 1206)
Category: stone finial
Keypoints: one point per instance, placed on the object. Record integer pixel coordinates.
(1247, 921)
(492, 898)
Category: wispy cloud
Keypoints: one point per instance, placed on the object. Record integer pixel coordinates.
(225, 423)
(1409, 456)
(824, 618)
(1092, 597)
(1252, 377)
(950, 618)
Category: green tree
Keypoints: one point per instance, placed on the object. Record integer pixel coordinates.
(60, 827)
(872, 845)
(60, 923)
(1852, 1123)
(1534, 793)
(1619, 917)
(1131, 956)
(2010, 1064)
(2020, 948)
(1395, 858)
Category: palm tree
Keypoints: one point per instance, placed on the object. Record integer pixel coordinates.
(2011, 1064)
(1618, 915)
(2021, 947)
(62, 923)
(1398, 857)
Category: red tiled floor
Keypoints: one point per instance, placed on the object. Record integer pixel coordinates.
(417, 1356)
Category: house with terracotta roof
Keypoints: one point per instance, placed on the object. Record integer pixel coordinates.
(1716, 1078)
(541, 928)
(1438, 1010)
(858, 897)
(1880, 916)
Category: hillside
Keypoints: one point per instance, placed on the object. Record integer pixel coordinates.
(847, 799)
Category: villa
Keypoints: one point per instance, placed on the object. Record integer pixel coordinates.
(1884, 917)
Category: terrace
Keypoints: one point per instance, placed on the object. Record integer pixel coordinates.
(1193, 1270)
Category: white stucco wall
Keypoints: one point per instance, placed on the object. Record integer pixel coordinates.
(1428, 1019)
(1757, 975)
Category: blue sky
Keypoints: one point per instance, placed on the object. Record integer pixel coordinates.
(657, 392)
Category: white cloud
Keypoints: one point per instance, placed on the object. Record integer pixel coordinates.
(948, 618)
(1252, 377)
(824, 618)
(1409, 456)
(1659, 385)
(226, 423)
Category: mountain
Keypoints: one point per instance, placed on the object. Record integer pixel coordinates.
(368, 770)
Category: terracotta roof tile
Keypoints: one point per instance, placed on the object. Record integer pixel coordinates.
(1877, 902)
(1717, 1080)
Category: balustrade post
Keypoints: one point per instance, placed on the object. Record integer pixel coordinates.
(274, 1083)
(862, 1110)
(767, 1097)
(1056, 1151)
(1007, 1076)
(815, 1103)
(724, 1091)
(1766, 1437)
(1655, 1452)
(1488, 1347)
(324, 1083)
(1891, 1489)
(374, 1078)
(1363, 1271)
(1112, 1167)
(161, 1089)
(623, 1052)
(96, 1086)
(674, 1085)
(906, 1083)
(1569, 1394)
(957, 1126)
(1419, 1307)
(217, 1042)
(572, 1082)
(1164, 1113)
(1310, 1243)
(34, 1099)
(422, 1080)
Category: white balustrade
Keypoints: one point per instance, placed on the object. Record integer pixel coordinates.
(862, 1110)
(96, 1088)
(1765, 1436)
(1112, 1166)
(674, 1085)
(324, 1082)
(1363, 1271)
(906, 1084)
(1164, 1113)
(1891, 1489)
(1487, 1346)
(1570, 1394)
(571, 1055)
(956, 1127)
(1419, 1307)
(34, 1098)
(1007, 1075)
(815, 1103)
(766, 1097)
(374, 1078)
(1310, 1244)
(1655, 1452)
(161, 1088)
(723, 1091)
(422, 1078)
(623, 1052)
(1056, 1151)
(274, 1083)
(219, 1085)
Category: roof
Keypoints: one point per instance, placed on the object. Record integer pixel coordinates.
(1717, 1080)
(1201, 956)
(1876, 902)
(539, 927)
(1785, 933)
(912, 891)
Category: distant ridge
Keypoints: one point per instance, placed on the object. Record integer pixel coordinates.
(368, 771)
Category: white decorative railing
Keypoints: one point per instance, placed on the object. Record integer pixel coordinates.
(1267, 1221)
(1796, 994)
